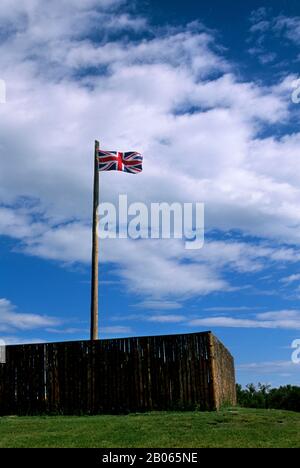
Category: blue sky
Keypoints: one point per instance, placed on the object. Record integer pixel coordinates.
(203, 90)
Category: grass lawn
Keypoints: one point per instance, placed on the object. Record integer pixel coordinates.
(228, 428)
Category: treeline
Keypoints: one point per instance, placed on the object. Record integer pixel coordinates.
(263, 396)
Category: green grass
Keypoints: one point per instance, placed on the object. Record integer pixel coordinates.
(228, 428)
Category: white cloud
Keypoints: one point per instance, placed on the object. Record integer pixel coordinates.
(116, 330)
(281, 319)
(289, 27)
(167, 318)
(276, 373)
(15, 340)
(10, 319)
(17, 223)
(291, 278)
(68, 243)
(229, 309)
(259, 14)
(269, 367)
(158, 305)
(67, 330)
(185, 50)
(264, 25)
(261, 26)
(285, 319)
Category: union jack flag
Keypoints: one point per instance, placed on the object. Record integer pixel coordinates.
(117, 161)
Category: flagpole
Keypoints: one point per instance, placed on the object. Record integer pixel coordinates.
(95, 250)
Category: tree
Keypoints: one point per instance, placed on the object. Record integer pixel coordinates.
(263, 396)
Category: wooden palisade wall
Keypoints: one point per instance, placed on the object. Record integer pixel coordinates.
(119, 375)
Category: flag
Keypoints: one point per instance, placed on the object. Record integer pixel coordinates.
(118, 161)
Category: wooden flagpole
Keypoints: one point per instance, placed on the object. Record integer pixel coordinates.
(95, 250)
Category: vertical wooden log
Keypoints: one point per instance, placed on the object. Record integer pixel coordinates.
(213, 372)
(95, 250)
